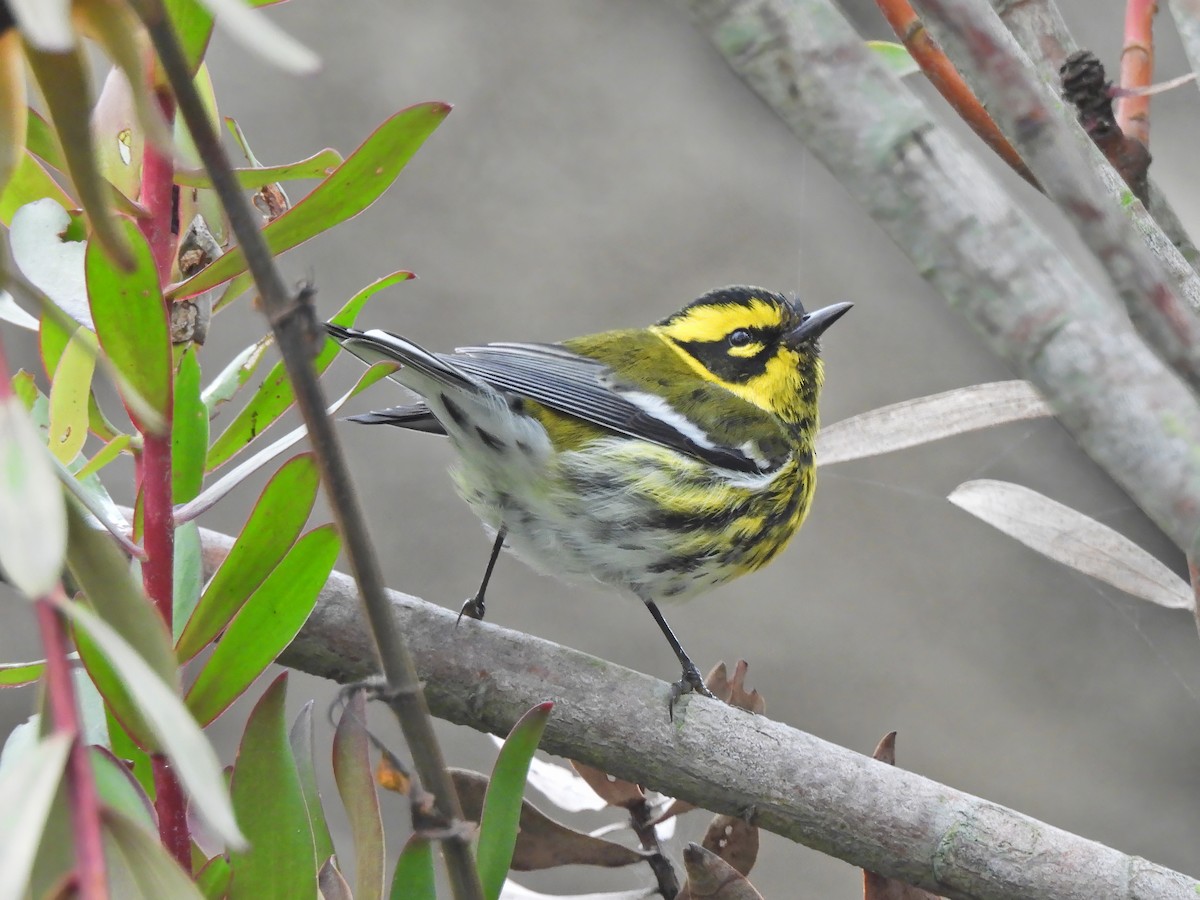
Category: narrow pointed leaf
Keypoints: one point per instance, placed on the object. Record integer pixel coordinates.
(213, 879)
(928, 419)
(188, 574)
(21, 674)
(189, 433)
(710, 876)
(895, 57)
(261, 36)
(413, 878)
(356, 786)
(139, 866)
(332, 884)
(266, 624)
(272, 528)
(131, 319)
(11, 312)
(194, 761)
(42, 142)
(119, 789)
(319, 165)
(64, 84)
(213, 494)
(355, 185)
(12, 104)
(301, 740)
(27, 789)
(1073, 539)
(235, 374)
(502, 806)
(106, 454)
(270, 804)
(275, 395)
(69, 393)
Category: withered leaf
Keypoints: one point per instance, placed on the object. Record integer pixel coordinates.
(734, 840)
(614, 791)
(543, 843)
(332, 884)
(711, 878)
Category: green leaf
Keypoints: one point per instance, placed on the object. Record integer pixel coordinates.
(235, 374)
(139, 867)
(193, 758)
(119, 789)
(895, 57)
(300, 738)
(269, 801)
(29, 182)
(273, 526)
(42, 142)
(213, 880)
(189, 433)
(104, 456)
(131, 318)
(64, 84)
(502, 806)
(355, 185)
(131, 755)
(266, 624)
(356, 786)
(188, 574)
(27, 790)
(413, 879)
(69, 393)
(319, 165)
(21, 674)
(275, 395)
(33, 526)
(193, 25)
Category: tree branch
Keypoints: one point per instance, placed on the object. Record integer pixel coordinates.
(1137, 68)
(974, 34)
(968, 238)
(867, 813)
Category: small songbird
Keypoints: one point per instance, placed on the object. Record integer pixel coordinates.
(662, 461)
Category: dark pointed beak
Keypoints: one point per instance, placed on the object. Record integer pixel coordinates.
(813, 325)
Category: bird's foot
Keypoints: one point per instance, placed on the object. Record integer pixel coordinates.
(691, 682)
(472, 609)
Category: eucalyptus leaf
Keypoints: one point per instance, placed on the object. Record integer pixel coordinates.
(27, 789)
(301, 740)
(1073, 539)
(356, 786)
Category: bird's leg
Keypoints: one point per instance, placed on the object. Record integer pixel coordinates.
(473, 608)
(691, 680)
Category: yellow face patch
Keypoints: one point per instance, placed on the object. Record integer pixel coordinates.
(747, 351)
(712, 323)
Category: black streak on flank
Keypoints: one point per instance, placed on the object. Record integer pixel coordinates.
(488, 438)
(455, 411)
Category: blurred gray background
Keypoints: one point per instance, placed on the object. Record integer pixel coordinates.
(601, 167)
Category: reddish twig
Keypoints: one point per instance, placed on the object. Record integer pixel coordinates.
(91, 882)
(944, 76)
(1137, 69)
(161, 229)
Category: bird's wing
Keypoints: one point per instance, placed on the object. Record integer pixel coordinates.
(582, 387)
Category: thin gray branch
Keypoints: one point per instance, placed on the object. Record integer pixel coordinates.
(1187, 22)
(1003, 77)
(834, 800)
(1041, 32)
(972, 242)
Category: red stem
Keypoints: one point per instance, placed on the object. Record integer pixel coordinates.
(158, 197)
(1137, 68)
(91, 882)
(161, 229)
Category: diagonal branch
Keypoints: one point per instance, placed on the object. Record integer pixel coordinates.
(969, 239)
(834, 800)
(980, 40)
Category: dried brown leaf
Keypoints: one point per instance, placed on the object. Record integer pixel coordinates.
(711, 878)
(332, 884)
(885, 750)
(543, 843)
(734, 840)
(614, 791)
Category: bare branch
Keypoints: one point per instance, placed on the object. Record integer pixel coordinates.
(834, 800)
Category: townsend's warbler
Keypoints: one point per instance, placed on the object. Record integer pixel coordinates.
(661, 460)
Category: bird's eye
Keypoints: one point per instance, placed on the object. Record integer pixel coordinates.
(740, 338)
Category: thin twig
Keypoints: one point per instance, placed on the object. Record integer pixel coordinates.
(91, 882)
(943, 76)
(293, 324)
(1137, 69)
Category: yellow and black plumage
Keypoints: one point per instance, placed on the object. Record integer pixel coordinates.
(662, 461)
